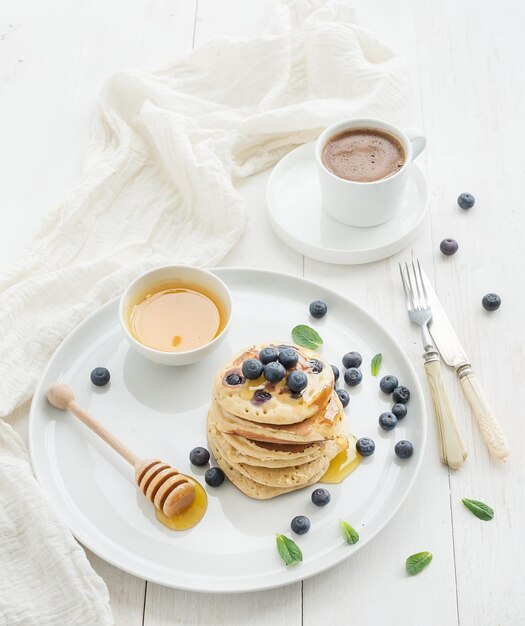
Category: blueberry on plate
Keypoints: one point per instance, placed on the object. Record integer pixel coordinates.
(387, 421)
(388, 383)
(335, 370)
(296, 381)
(100, 376)
(318, 309)
(399, 410)
(352, 359)
(365, 446)
(491, 302)
(234, 379)
(353, 377)
(401, 394)
(268, 354)
(199, 456)
(300, 524)
(252, 369)
(449, 246)
(466, 200)
(320, 496)
(274, 372)
(214, 477)
(404, 449)
(288, 357)
(344, 397)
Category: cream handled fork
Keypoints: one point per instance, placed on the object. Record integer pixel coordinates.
(452, 449)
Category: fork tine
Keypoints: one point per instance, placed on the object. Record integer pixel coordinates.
(419, 291)
(405, 289)
(423, 285)
(411, 289)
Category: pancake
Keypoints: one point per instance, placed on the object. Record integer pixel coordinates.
(326, 424)
(273, 403)
(259, 453)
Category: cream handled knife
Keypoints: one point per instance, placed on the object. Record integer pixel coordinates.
(453, 354)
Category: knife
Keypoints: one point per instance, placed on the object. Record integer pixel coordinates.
(454, 355)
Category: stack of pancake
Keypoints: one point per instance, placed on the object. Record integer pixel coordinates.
(268, 440)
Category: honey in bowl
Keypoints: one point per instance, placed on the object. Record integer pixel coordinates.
(176, 318)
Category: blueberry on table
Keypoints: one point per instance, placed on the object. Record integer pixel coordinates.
(288, 357)
(466, 200)
(274, 372)
(388, 383)
(320, 496)
(318, 309)
(365, 446)
(352, 359)
(300, 524)
(100, 376)
(199, 456)
(268, 354)
(234, 379)
(335, 370)
(252, 369)
(491, 302)
(344, 397)
(296, 381)
(399, 410)
(449, 246)
(404, 449)
(214, 477)
(387, 421)
(401, 394)
(353, 377)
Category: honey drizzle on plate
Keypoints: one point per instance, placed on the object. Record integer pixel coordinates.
(342, 465)
(191, 516)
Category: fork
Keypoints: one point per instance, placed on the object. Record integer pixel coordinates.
(452, 449)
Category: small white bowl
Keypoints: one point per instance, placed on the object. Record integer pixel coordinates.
(182, 275)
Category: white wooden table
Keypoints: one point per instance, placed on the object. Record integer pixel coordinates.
(466, 64)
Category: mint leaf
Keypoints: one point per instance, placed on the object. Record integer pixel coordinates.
(376, 364)
(481, 510)
(417, 562)
(350, 534)
(306, 337)
(288, 550)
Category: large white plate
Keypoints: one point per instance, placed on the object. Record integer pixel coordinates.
(161, 411)
(297, 216)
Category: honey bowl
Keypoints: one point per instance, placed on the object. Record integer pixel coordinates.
(176, 314)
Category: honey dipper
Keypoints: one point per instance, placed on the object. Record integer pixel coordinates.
(169, 491)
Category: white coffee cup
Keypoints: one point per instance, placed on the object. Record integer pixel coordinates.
(366, 203)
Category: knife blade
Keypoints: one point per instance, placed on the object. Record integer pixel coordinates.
(452, 352)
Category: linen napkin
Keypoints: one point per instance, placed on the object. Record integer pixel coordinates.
(157, 186)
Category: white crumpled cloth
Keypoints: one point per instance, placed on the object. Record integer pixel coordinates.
(157, 187)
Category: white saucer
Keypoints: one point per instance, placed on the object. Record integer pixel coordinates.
(295, 211)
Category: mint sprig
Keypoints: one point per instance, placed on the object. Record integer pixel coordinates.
(481, 510)
(349, 533)
(376, 364)
(417, 562)
(307, 337)
(288, 550)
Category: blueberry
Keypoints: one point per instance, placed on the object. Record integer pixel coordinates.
(365, 446)
(260, 397)
(274, 372)
(343, 396)
(404, 449)
(335, 370)
(320, 497)
(316, 367)
(252, 369)
(100, 376)
(466, 200)
(401, 394)
(268, 354)
(300, 525)
(318, 309)
(214, 476)
(388, 383)
(353, 377)
(399, 410)
(288, 357)
(387, 421)
(234, 379)
(199, 456)
(491, 302)
(352, 359)
(296, 381)
(449, 246)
